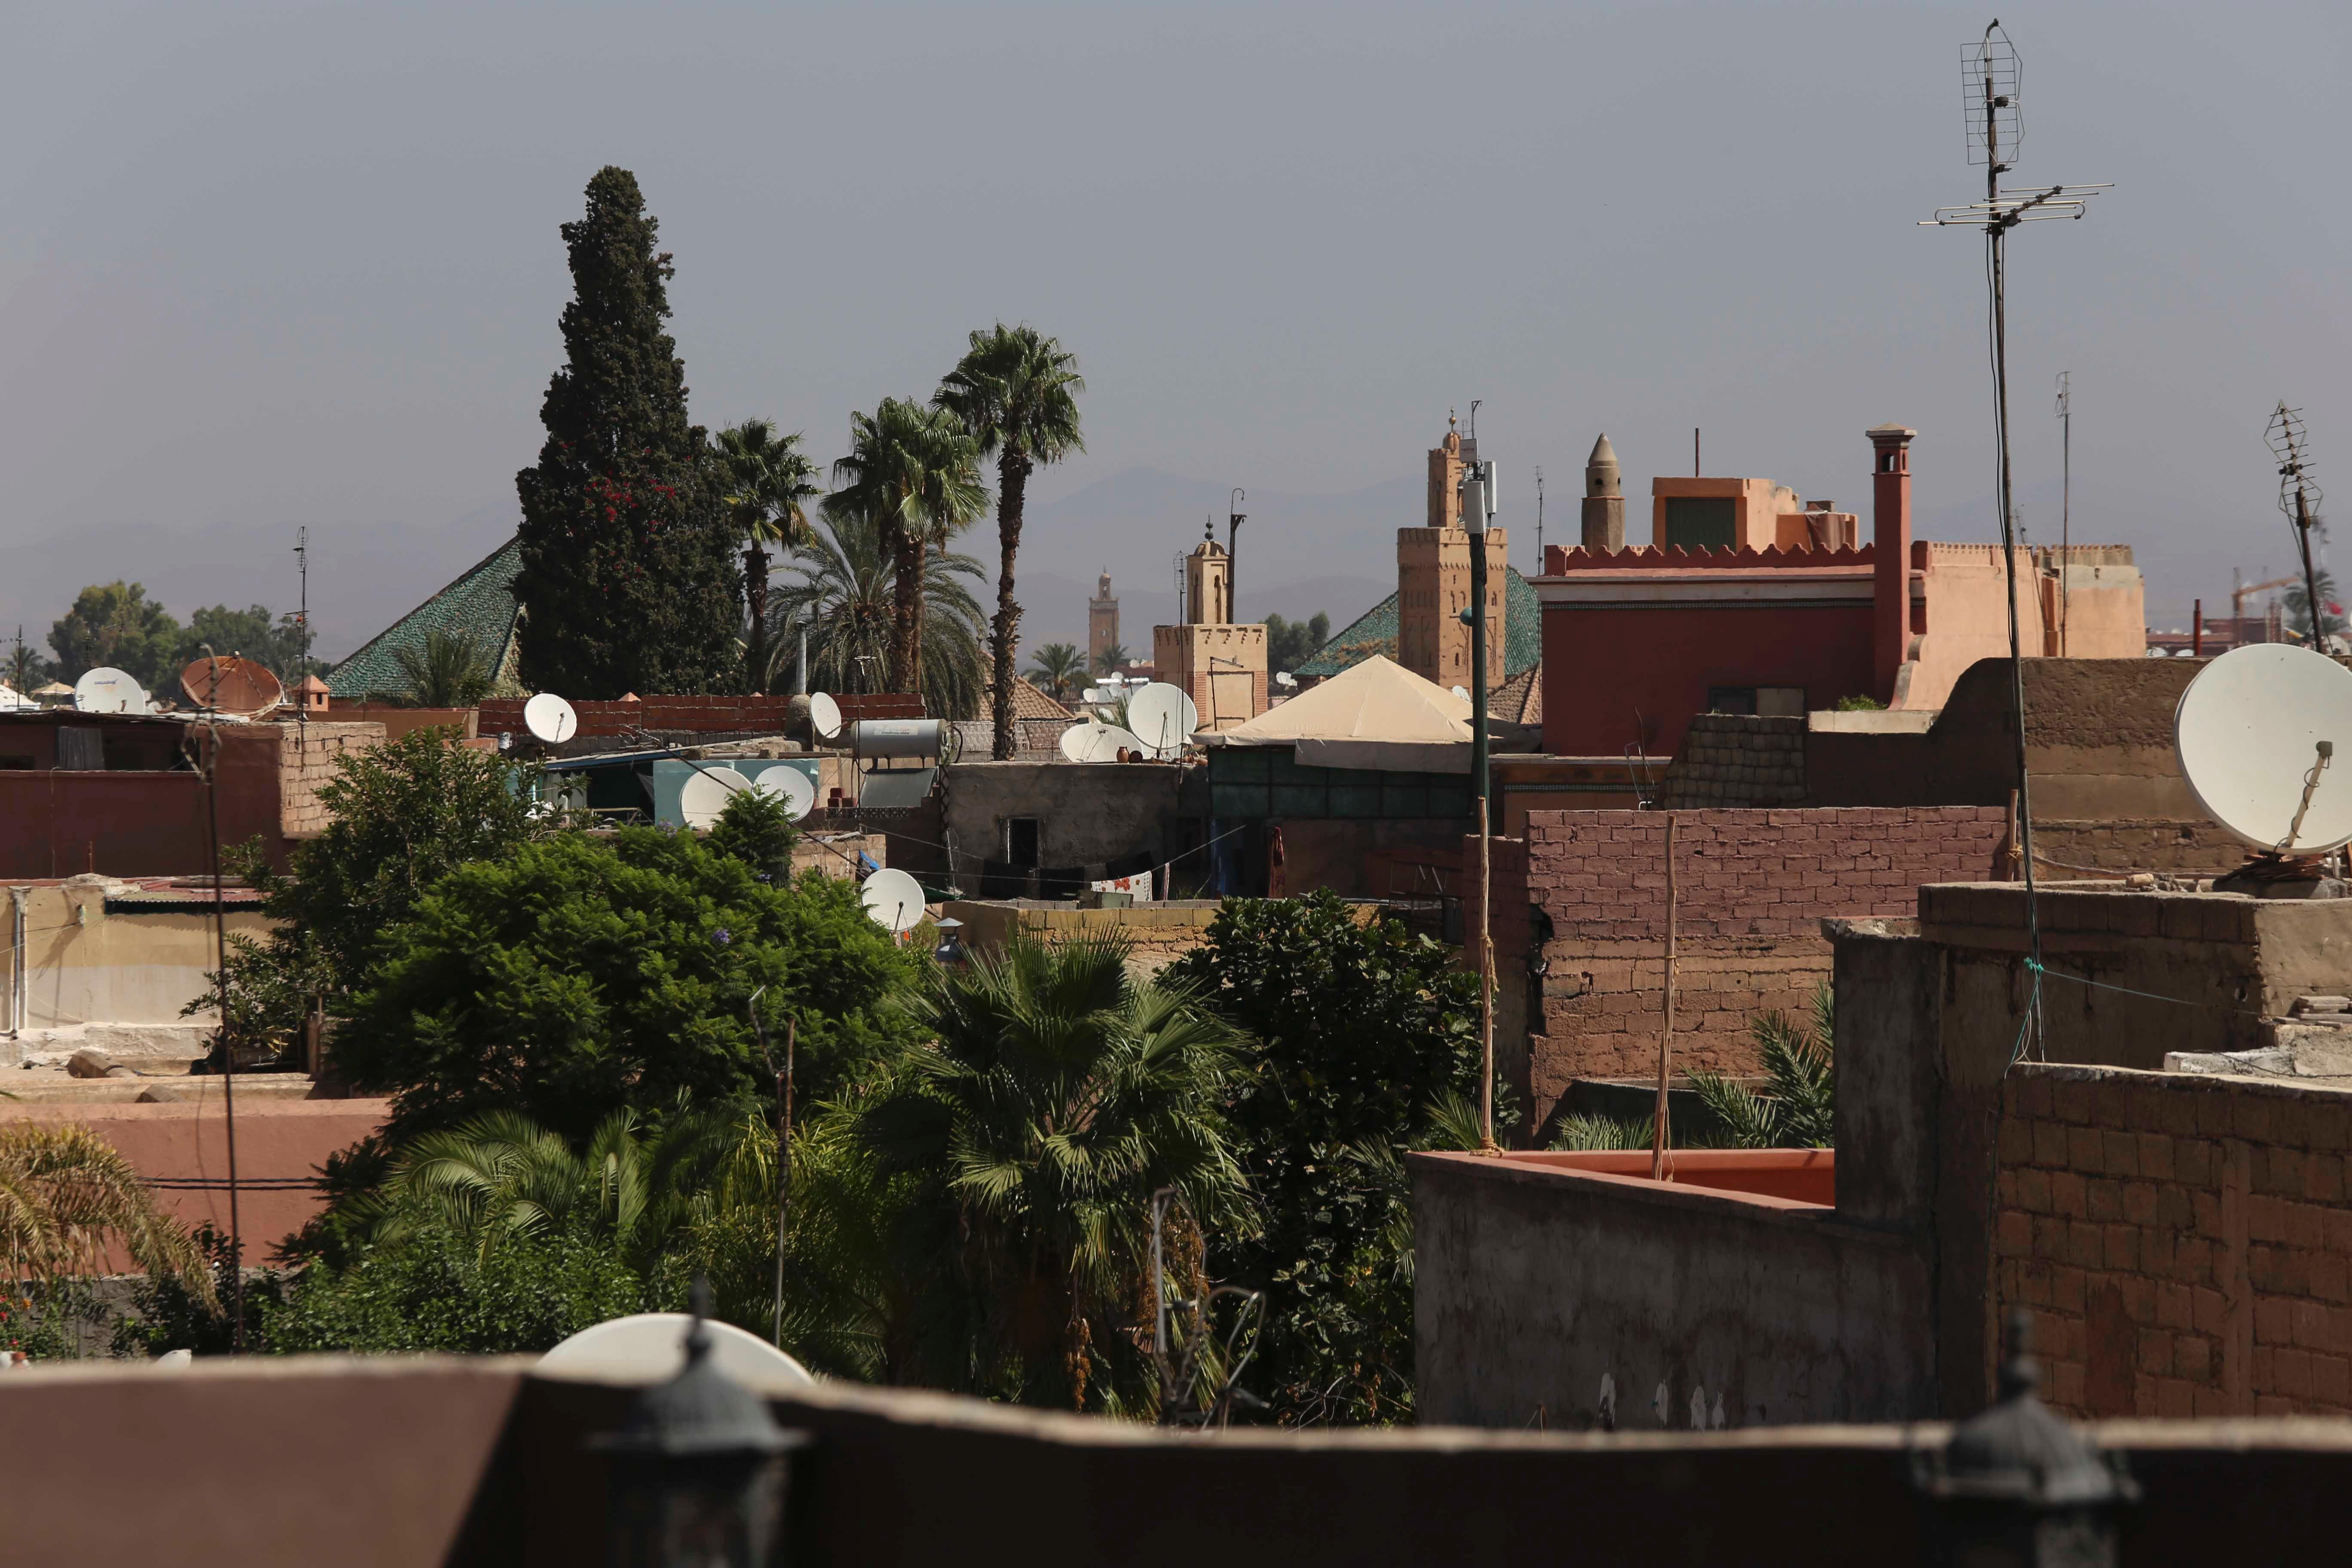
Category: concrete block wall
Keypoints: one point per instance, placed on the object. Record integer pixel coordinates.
(2183, 1241)
(307, 759)
(1753, 887)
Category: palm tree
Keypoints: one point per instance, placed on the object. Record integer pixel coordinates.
(447, 672)
(2298, 606)
(844, 599)
(67, 1198)
(912, 473)
(1108, 661)
(765, 478)
(1798, 1108)
(1058, 667)
(1061, 1093)
(1016, 391)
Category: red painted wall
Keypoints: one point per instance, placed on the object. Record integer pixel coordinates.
(58, 824)
(1602, 667)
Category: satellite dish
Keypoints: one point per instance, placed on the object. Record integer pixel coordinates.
(1163, 717)
(108, 691)
(650, 1347)
(232, 686)
(2249, 730)
(784, 779)
(549, 719)
(1099, 743)
(825, 713)
(894, 901)
(1284, 677)
(702, 797)
(1094, 694)
(1462, 692)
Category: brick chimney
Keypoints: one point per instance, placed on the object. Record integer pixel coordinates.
(1890, 534)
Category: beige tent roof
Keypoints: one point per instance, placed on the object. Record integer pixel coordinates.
(1375, 714)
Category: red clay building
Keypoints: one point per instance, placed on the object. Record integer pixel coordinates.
(1746, 601)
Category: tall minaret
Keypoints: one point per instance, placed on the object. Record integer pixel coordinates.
(1604, 500)
(1102, 623)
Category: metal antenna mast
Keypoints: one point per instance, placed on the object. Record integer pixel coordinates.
(2065, 493)
(1538, 521)
(1989, 100)
(2290, 442)
(302, 634)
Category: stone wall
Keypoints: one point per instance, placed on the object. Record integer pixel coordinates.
(2183, 1241)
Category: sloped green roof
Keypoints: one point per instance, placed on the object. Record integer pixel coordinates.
(480, 605)
(1375, 632)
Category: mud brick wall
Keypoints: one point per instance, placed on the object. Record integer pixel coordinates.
(1733, 760)
(1753, 888)
(2183, 1242)
(696, 715)
(307, 757)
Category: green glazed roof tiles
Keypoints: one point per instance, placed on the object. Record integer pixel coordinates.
(480, 604)
(1375, 632)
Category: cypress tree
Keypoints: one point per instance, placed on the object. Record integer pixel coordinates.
(629, 580)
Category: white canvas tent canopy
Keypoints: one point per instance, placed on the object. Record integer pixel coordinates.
(1376, 714)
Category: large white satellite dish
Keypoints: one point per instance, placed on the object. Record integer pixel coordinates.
(109, 690)
(784, 779)
(2249, 730)
(706, 794)
(549, 719)
(825, 714)
(650, 1347)
(894, 901)
(1094, 742)
(1163, 718)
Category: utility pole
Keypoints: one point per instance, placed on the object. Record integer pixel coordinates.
(2066, 494)
(1477, 513)
(1988, 75)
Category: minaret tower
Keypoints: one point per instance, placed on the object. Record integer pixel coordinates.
(1604, 500)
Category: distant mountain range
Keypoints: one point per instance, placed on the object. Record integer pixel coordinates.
(1299, 554)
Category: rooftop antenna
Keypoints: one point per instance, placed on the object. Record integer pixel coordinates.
(1995, 126)
(2290, 442)
(2066, 494)
(1234, 518)
(1538, 519)
(302, 634)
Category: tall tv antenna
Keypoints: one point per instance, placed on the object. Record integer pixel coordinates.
(2299, 498)
(1994, 117)
(302, 636)
(2065, 493)
(1538, 519)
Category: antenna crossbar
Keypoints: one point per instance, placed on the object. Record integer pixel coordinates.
(2012, 207)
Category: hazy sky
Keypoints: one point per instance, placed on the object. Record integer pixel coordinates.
(270, 264)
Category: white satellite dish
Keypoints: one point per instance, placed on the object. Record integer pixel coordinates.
(784, 779)
(825, 713)
(1462, 692)
(108, 691)
(894, 901)
(1093, 742)
(1094, 694)
(706, 794)
(2249, 730)
(650, 1347)
(1163, 718)
(549, 719)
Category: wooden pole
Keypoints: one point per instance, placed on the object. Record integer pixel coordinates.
(783, 1168)
(1666, 1025)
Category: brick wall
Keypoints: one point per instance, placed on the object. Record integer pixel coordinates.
(2183, 1241)
(1731, 760)
(1753, 888)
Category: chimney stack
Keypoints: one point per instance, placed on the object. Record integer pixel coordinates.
(1890, 523)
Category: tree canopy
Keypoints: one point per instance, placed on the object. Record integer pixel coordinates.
(629, 578)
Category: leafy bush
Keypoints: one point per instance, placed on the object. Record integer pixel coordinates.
(433, 1289)
(1362, 1036)
(575, 976)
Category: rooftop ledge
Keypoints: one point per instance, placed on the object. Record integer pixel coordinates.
(1796, 1182)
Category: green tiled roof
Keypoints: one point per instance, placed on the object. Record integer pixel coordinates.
(1375, 632)
(480, 604)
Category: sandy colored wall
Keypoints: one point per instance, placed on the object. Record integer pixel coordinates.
(1967, 618)
(308, 755)
(187, 1142)
(87, 965)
